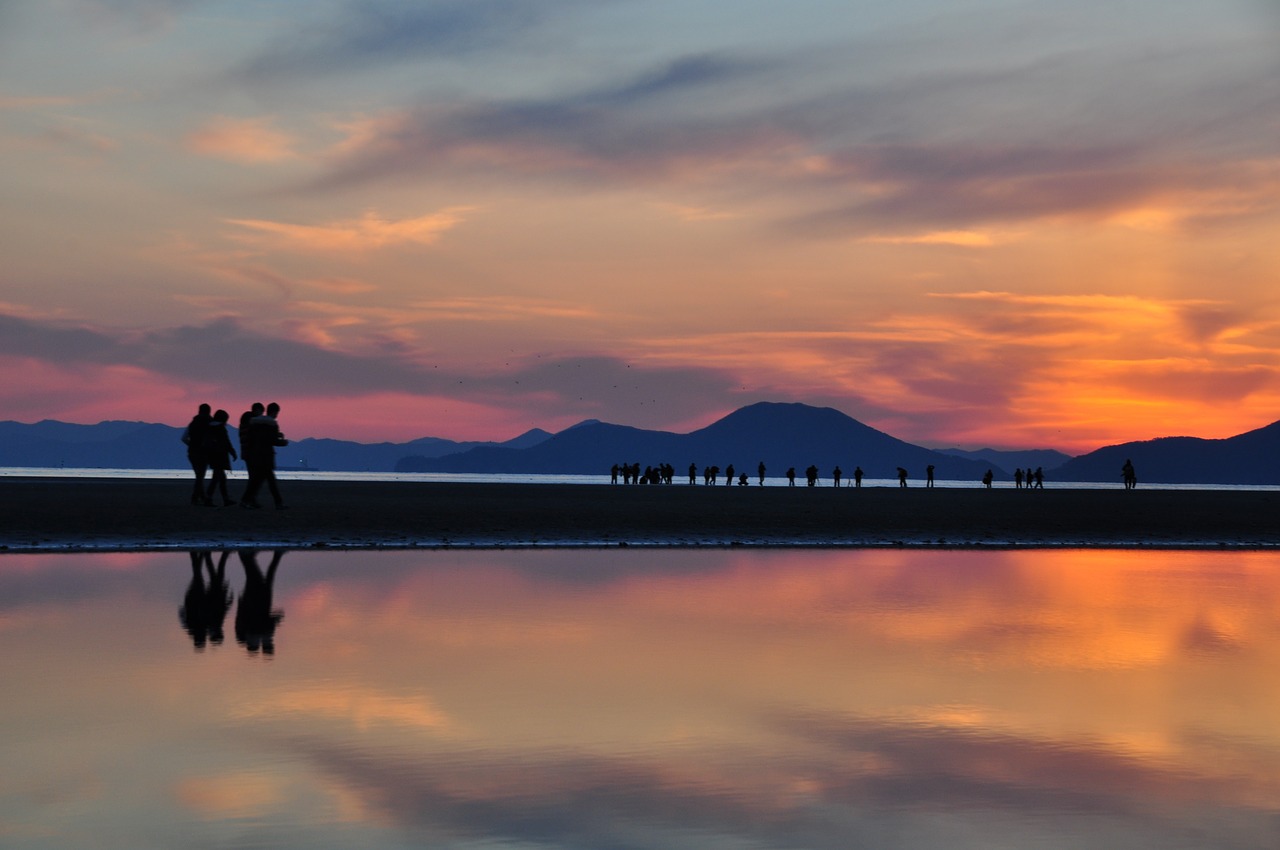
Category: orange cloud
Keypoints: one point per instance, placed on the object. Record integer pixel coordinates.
(960, 238)
(370, 232)
(250, 140)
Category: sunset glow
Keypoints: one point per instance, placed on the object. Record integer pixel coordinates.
(1010, 224)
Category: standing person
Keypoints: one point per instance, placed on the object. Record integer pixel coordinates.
(791, 476)
(693, 473)
(1017, 478)
(987, 478)
(256, 409)
(1130, 475)
(258, 448)
(902, 477)
(857, 476)
(928, 475)
(221, 454)
(760, 472)
(197, 456)
(835, 474)
(1039, 477)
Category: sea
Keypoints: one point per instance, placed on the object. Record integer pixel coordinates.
(572, 700)
(640, 699)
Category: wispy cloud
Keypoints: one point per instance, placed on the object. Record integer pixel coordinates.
(251, 140)
(370, 34)
(370, 232)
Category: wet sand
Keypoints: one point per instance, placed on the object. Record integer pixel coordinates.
(79, 514)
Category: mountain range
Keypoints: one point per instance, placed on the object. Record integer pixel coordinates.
(780, 435)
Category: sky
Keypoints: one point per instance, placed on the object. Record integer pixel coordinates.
(1005, 223)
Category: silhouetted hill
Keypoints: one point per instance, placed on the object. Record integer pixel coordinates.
(781, 435)
(1008, 461)
(140, 445)
(1249, 458)
(124, 445)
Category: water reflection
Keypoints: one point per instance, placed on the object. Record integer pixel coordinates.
(256, 619)
(205, 606)
(208, 599)
(645, 699)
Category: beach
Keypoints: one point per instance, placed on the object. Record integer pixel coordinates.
(92, 514)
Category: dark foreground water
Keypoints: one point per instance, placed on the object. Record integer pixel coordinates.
(641, 699)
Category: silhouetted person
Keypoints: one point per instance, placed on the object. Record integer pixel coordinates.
(928, 475)
(1017, 478)
(728, 475)
(791, 476)
(220, 453)
(258, 449)
(742, 480)
(987, 478)
(1039, 477)
(760, 472)
(195, 437)
(1130, 475)
(256, 409)
(1030, 477)
(811, 476)
(693, 473)
(613, 474)
(835, 475)
(902, 477)
(857, 476)
(256, 621)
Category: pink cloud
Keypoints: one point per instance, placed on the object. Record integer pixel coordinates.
(370, 232)
(249, 140)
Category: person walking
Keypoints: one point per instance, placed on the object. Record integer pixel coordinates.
(221, 453)
(195, 436)
(1129, 474)
(258, 448)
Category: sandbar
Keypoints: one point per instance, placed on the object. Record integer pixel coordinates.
(111, 514)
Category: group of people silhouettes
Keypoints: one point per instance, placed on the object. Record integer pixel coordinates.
(210, 450)
(1034, 480)
(1030, 479)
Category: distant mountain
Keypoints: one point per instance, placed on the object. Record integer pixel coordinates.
(1249, 458)
(780, 435)
(1008, 461)
(140, 445)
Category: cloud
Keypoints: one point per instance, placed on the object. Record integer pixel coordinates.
(225, 356)
(251, 140)
(35, 102)
(370, 232)
(370, 34)
(926, 157)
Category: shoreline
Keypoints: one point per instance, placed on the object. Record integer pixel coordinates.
(53, 515)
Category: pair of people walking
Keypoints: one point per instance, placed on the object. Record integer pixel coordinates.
(210, 450)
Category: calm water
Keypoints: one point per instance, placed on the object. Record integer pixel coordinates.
(668, 699)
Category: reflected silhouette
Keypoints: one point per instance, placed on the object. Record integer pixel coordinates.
(256, 621)
(204, 608)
